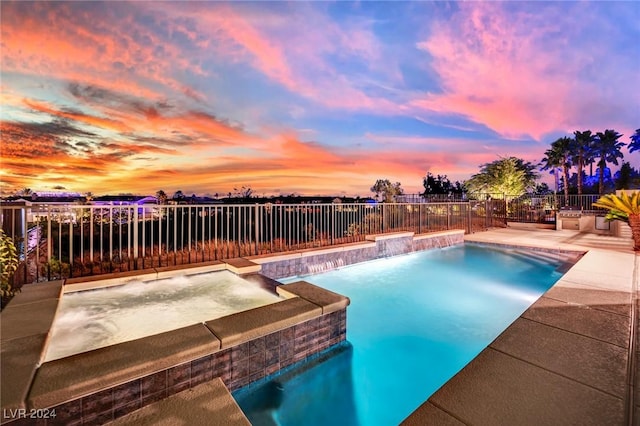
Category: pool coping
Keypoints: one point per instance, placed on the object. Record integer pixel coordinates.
(239, 266)
(571, 358)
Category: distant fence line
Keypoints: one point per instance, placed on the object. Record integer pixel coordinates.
(70, 240)
(552, 200)
(527, 208)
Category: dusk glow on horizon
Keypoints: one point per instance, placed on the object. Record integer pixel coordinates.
(303, 97)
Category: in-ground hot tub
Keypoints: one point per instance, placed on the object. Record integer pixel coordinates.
(104, 316)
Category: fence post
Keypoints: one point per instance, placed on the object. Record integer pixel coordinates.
(70, 243)
(486, 213)
(135, 235)
(91, 211)
(257, 227)
(469, 218)
(25, 239)
(111, 233)
(49, 238)
(333, 224)
(189, 231)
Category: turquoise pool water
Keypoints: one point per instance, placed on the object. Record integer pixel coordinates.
(413, 323)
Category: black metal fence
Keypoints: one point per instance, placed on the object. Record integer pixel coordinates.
(528, 208)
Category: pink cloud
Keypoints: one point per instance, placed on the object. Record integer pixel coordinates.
(516, 72)
(285, 51)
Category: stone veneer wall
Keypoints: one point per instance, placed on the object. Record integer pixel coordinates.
(439, 241)
(317, 263)
(379, 246)
(237, 366)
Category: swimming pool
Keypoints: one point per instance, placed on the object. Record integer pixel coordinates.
(102, 317)
(413, 323)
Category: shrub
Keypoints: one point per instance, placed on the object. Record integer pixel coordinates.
(8, 264)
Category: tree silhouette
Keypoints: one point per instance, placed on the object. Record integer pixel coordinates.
(558, 156)
(161, 196)
(581, 153)
(389, 191)
(608, 149)
(25, 192)
(635, 141)
(440, 184)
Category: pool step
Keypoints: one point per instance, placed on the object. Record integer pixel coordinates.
(565, 260)
(557, 256)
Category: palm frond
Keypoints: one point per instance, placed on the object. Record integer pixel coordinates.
(620, 205)
(617, 215)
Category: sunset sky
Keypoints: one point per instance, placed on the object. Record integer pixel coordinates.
(304, 97)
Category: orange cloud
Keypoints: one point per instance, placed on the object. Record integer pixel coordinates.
(100, 122)
(95, 46)
(267, 163)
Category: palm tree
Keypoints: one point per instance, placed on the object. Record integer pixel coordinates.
(635, 141)
(626, 209)
(25, 192)
(558, 156)
(581, 150)
(607, 148)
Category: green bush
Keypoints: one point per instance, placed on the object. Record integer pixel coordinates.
(8, 264)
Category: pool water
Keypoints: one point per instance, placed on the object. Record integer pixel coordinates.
(414, 321)
(93, 319)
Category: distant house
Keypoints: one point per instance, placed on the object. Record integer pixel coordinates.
(194, 200)
(147, 203)
(56, 196)
(124, 200)
(15, 219)
(12, 220)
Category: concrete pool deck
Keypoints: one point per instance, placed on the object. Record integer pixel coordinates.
(571, 358)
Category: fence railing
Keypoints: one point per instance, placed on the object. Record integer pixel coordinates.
(543, 208)
(72, 240)
(532, 208)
